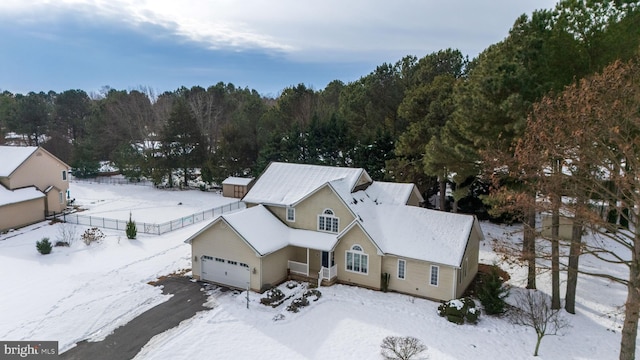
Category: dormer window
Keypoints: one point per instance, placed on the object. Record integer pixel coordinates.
(327, 221)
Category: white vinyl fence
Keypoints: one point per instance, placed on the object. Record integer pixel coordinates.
(150, 228)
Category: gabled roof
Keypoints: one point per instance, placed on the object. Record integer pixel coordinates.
(18, 195)
(232, 180)
(410, 231)
(285, 184)
(392, 193)
(13, 156)
(265, 233)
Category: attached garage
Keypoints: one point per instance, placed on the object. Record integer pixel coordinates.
(225, 271)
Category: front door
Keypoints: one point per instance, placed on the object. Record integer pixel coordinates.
(326, 255)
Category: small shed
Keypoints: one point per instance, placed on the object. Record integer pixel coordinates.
(236, 187)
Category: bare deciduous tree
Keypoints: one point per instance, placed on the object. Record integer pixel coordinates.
(401, 348)
(533, 309)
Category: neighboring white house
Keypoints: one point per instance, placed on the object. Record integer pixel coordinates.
(329, 224)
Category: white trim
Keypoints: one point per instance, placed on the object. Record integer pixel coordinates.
(353, 252)
(437, 273)
(329, 219)
(293, 213)
(404, 269)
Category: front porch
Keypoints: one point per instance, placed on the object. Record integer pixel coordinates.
(314, 266)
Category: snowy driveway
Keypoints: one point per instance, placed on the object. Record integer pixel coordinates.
(126, 341)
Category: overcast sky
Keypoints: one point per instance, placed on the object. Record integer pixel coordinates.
(264, 45)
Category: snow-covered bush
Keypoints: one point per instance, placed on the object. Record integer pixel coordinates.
(44, 246)
(92, 235)
(273, 297)
(459, 310)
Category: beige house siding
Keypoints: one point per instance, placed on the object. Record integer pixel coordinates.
(413, 199)
(234, 191)
(21, 214)
(221, 241)
(274, 267)
(564, 230)
(42, 170)
(417, 278)
(372, 278)
(469, 262)
(308, 210)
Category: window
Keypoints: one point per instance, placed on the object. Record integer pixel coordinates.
(206, 257)
(402, 265)
(231, 262)
(64, 175)
(219, 260)
(238, 191)
(244, 265)
(434, 275)
(357, 260)
(61, 197)
(327, 221)
(291, 214)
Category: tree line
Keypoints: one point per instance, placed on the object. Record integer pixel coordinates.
(546, 112)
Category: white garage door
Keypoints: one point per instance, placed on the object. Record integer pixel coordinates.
(225, 271)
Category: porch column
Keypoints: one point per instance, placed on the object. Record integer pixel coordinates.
(308, 267)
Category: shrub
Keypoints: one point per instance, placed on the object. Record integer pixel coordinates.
(273, 297)
(459, 310)
(401, 348)
(131, 231)
(92, 235)
(297, 303)
(492, 292)
(67, 234)
(385, 281)
(44, 246)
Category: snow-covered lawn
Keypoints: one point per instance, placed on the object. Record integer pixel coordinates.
(87, 291)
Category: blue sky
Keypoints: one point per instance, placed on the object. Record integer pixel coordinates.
(266, 46)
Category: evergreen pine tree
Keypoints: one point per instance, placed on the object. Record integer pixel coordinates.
(492, 293)
(132, 231)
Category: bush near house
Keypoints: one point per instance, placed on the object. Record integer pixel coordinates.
(44, 246)
(459, 310)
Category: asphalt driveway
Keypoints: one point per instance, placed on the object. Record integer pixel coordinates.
(126, 341)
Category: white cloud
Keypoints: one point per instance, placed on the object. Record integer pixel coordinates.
(311, 31)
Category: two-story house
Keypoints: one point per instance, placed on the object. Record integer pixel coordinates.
(33, 184)
(336, 225)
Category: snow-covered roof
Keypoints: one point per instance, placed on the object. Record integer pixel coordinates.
(285, 184)
(232, 180)
(410, 231)
(13, 156)
(391, 193)
(265, 233)
(18, 195)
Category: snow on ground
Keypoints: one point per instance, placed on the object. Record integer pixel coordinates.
(87, 291)
(145, 203)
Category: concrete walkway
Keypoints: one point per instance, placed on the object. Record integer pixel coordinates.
(126, 341)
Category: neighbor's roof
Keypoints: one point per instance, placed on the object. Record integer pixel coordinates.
(18, 195)
(13, 156)
(266, 234)
(285, 183)
(232, 180)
